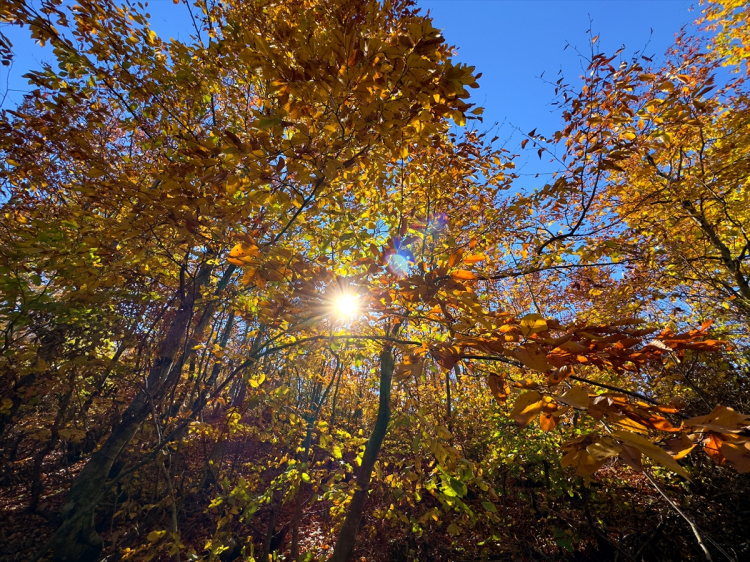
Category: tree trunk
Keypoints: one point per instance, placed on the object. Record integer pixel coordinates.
(348, 534)
(77, 539)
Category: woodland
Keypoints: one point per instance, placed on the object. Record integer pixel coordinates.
(276, 293)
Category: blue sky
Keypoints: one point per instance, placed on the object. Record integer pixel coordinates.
(512, 42)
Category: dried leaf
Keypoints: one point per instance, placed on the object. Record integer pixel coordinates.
(532, 357)
(738, 454)
(721, 419)
(499, 387)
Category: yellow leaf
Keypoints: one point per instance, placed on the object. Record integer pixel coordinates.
(738, 454)
(629, 424)
(444, 433)
(527, 407)
(576, 397)
(154, 536)
(655, 453)
(721, 419)
(233, 184)
(603, 449)
(533, 324)
(408, 370)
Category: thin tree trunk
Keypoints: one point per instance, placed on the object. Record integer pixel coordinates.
(76, 538)
(275, 507)
(348, 534)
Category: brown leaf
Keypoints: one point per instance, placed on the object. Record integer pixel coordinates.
(721, 419)
(603, 449)
(573, 347)
(556, 376)
(532, 357)
(738, 454)
(499, 387)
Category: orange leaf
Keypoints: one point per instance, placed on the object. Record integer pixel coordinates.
(548, 422)
(474, 259)
(464, 275)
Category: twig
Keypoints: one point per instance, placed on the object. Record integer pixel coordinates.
(693, 526)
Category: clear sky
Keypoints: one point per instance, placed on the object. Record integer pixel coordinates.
(512, 42)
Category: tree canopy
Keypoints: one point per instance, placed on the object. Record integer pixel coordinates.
(274, 293)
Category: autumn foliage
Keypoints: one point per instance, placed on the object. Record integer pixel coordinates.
(272, 294)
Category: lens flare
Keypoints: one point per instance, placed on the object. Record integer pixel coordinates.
(347, 305)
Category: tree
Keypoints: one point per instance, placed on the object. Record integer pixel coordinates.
(257, 270)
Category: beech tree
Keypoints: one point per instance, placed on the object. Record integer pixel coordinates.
(265, 293)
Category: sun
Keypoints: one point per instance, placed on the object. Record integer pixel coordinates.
(347, 305)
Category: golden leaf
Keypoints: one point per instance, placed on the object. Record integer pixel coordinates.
(576, 397)
(533, 324)
(527, 407)
(655, 453)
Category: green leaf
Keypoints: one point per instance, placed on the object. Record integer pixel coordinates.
(458, 486)
(489, 507)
